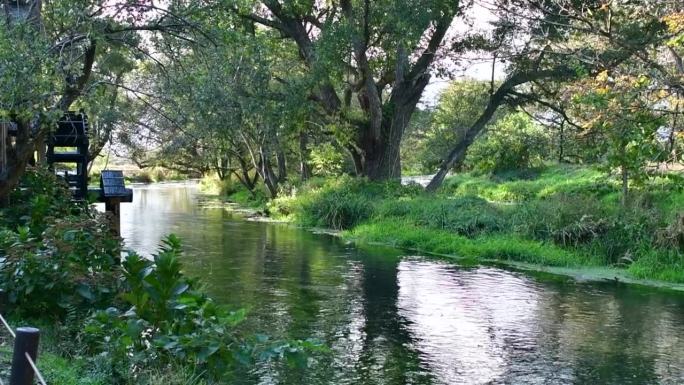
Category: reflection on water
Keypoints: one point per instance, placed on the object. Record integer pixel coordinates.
(392, 318)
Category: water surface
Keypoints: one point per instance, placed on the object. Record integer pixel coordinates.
(391, 317)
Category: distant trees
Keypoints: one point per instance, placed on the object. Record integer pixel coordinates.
(430, 139)
(563, 41)
(53, 54)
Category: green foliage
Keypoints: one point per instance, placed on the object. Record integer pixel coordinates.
(61, 371)
(57, 257)
(213, 185)
(71, 264)
(467, 216)
(253, 199)
(168, 319)
(124, 322)
(513, 143)
(567, 219)
(28, 75)
(662, 265)
(488, 247)
(327, 160)
(432, 133)
(41, 197)
(551, 181)
(560, 216)
(340, 204)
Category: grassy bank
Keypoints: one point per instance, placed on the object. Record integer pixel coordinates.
(559, 216)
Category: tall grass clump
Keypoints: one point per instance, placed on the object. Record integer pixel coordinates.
(467, 216)
(213, 185)
(339, 204)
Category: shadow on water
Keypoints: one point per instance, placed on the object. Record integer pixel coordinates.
(392, 318)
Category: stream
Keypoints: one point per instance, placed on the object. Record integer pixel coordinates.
(392, 317)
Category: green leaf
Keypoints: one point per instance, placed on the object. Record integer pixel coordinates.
(85, 292)
(180, 288)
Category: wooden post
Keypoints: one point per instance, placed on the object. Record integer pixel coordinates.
(26, 341)
(113, 208)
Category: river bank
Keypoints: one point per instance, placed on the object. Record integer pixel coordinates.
(565, 220)
(389, 314)
(423, 318)
(112, 317)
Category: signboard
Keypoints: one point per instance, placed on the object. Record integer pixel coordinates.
(112, 184)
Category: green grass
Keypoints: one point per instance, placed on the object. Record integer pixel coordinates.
(563, 216)
(488, 247)
(59, 370)
(62, 360)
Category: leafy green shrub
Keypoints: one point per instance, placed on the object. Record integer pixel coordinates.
(242, 196)
(513, 142)
(59, 266)
(71, 264)
(169, 320)
(40, 197)
(168, 317)
(214, 185)
(327, 160)
(59, 256)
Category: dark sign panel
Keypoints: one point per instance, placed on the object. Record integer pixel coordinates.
(112, 183)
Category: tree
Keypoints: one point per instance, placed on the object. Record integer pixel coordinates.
(367, 64)
(226, 109)
(459, 105)
(53, 55)
(620, 109)
(563, 41)
(514, 142)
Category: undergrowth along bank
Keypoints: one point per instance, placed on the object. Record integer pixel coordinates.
(556, 216)
(105, 322)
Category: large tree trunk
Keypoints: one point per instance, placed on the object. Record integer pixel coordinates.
(376, 148)
(18, 158)
(382, 157)
(25, 146)
(625, 186)
(19, 155)
(269, 177)
(458, 153)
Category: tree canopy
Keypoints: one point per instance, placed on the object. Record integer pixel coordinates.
(249, 90)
